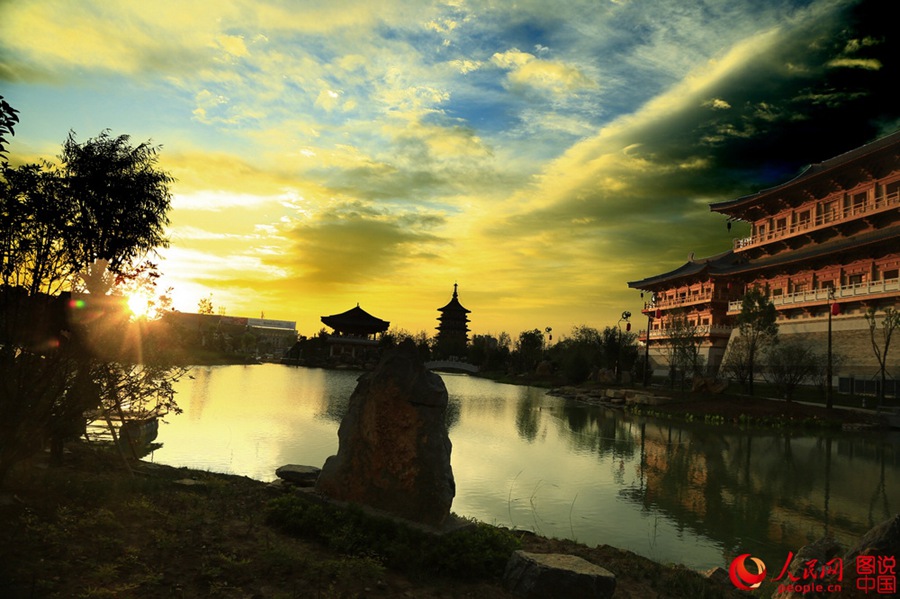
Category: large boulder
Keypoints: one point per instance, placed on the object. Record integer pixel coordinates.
(394, 450)
(550, 575)
(820, 552)
(884, 539)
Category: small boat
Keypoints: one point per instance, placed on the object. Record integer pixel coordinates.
(139, 432)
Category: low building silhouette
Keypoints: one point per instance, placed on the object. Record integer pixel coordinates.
(355, 333)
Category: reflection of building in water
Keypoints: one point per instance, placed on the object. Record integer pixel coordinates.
(453, 338)
(355, 332)
(766, 493)
(834, 230)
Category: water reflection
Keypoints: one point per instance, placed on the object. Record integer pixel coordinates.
(672, 491)
(751, 491)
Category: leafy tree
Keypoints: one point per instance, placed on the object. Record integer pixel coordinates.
(789, 363)
(120, 200)
(757, 326)
(880, 346)
(9, 116)
(684, 347)
(618, 347)
(394, 337)
(529, 349)
(205, 305)
(579, 354)
(736, 364)
(34, 216)
(81, 226)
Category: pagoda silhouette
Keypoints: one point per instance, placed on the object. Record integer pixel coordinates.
(453, 338)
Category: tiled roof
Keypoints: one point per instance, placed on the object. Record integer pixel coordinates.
(812, 171)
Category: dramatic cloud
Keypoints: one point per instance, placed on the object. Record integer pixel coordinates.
(539, 154)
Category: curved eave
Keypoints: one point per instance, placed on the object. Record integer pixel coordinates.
(453, 306)
(834, 248)
(692, 268)
(357, 321)
(865, 152)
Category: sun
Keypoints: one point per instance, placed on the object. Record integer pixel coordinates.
(140, 304)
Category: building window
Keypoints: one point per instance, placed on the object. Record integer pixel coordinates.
(892, 190)
(891, 274)
(855, 279)
(776, 292)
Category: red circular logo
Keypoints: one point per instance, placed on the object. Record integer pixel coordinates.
(743, 578)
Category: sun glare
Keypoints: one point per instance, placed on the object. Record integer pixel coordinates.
(140, 305)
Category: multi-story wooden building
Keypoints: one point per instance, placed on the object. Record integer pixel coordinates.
(830, 235)
(453, 330)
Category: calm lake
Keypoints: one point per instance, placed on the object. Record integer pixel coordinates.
(672, 491)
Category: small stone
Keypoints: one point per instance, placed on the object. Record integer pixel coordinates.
(304, 476)
(190, 483)
(550, 575)
(719, 575)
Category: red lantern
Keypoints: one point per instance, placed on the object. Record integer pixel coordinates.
(835, 309)
(658, 313)
(627, 326)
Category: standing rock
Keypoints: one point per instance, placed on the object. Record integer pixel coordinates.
(394, 449)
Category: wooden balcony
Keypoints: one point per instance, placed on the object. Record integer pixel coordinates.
(822, 221)
(686, 300)
(706, 330)
(857, 291)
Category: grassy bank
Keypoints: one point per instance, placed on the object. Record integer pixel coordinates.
(88, 529)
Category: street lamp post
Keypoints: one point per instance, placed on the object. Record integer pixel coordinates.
(647, 376)
(828, 366)
(625, 316)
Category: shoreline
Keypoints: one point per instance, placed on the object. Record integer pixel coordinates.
(73, 529)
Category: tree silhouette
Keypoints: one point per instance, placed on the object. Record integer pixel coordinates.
(880, 347)
(9, 116)
(757, 326)
(120, 200)
(82, 225)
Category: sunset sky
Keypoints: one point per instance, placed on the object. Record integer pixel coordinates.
(540, 154)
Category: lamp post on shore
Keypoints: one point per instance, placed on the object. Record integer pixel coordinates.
(833, 310)
(647, 375)
(625, 316)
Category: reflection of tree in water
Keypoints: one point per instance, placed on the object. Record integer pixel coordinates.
(453, 409)
(527, 418)
(685, 473)
(602, 430)
(880, 492)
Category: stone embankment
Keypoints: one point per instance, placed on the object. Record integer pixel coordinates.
(610, 397)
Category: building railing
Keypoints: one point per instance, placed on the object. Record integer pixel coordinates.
(821, 295)
(821, 221)
(700, 331)
(704, 296)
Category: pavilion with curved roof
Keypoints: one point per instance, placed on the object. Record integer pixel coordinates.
(354, 330)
